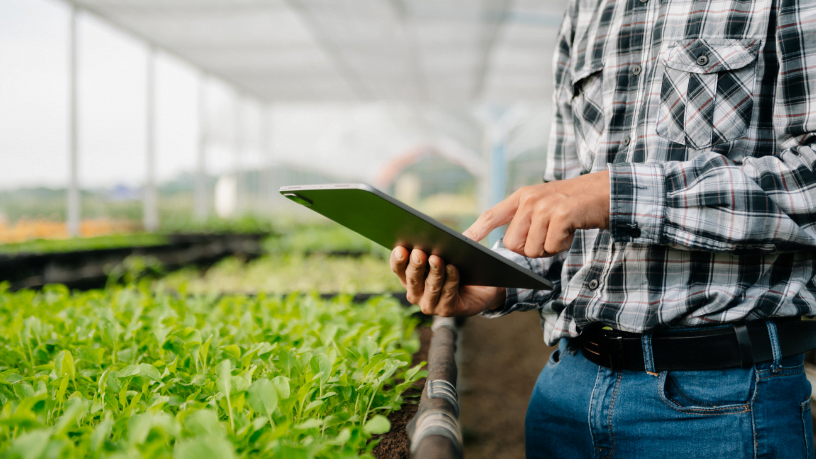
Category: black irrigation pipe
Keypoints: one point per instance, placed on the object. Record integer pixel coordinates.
(435, 432)
(85, 269)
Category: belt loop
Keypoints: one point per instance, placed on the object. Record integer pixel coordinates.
(744, 345)
(648, 355)
(776, 365)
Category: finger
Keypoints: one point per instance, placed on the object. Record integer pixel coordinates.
(433, 285)
(537, 237)
(493, 218)
(449, 297)
(516, 238)
(398, 261)
(559, 235)
(415, 276)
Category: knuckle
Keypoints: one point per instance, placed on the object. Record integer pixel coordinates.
(488, 216)
(561, 213)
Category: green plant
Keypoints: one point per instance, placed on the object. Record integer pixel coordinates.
(286, 273)
(322, 239)
(124, 372)
(112, 241)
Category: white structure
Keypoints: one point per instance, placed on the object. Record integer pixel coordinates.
(418, 56)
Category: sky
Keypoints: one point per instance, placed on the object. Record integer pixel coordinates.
(34, 95)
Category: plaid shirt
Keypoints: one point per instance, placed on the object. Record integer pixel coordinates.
(704, 112)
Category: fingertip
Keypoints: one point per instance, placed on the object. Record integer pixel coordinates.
(417, 257)
(435, 262)
(451, 272)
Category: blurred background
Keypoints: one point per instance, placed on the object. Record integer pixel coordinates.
(134, 116)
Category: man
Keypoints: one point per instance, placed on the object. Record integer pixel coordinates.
(677, 225)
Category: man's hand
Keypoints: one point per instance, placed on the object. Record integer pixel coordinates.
(543, 218)
(435, 287)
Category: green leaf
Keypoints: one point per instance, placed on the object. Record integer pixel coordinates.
(281, 384)
(224, 372)
(203, 422)
(378, 424)
(204, 447)
(341, 439)
(29, 445)
(64, 364)
(309, 424)
(100, 433)
(320, 364)
(149, 371)
(262, 397)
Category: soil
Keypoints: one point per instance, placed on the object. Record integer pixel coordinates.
(394, 444)
(501, 360)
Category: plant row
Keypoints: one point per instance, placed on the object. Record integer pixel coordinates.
(126, 372)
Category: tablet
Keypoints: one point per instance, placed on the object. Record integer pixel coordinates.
(390, 223)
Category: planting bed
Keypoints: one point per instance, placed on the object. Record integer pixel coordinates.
(284, 273)
(89, 268)
(127, 372)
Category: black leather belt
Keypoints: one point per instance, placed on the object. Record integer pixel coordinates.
(710, 348)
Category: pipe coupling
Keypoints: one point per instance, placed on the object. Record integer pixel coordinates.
(440, 388)
(437, 422)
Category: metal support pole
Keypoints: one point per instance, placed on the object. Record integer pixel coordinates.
(73, 132)
(269, 156)
(150, 214)
(498, 175)
(201, 204)
(238, 139)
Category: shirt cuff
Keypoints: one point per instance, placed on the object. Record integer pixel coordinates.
(514, 295)
(637, 203)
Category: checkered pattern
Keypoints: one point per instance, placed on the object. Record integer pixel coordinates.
(713, 199)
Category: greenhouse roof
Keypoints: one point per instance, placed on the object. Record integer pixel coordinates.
(449, 53)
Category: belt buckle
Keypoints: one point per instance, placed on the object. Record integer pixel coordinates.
(609, 349)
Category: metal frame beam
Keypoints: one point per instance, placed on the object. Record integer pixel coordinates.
(74, 210)
(202, 206)
(150, 213)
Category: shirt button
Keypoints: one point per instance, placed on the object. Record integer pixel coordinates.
(636, 69)
(702, 60)
(634, 232)
(626, 141)
(593, 284)
(643, 1)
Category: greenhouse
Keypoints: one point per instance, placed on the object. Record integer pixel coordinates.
(161, 298)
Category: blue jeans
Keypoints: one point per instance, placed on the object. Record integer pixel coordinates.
(581, 410)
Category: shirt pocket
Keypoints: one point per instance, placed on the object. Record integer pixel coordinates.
(707, 92)
(588, 113)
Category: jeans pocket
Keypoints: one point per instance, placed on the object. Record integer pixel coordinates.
(555, 357)
(807, 426)
(710, 392)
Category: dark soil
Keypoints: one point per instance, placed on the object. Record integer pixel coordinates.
(394, 444)
(501, 360)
